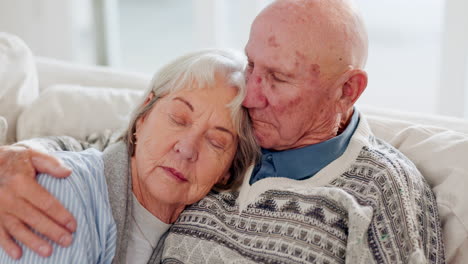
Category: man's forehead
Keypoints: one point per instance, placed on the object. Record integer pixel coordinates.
(277, 53)
(278, 30)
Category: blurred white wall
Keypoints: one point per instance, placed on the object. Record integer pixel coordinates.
(404, 53)
(453, 91)
(61, 29)
(417, 60)
(154, 32)
(404, 56)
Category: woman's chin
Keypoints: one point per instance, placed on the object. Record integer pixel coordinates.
(167, 190)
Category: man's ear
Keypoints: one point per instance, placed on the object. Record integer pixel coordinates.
(352, 88)
(224, 180)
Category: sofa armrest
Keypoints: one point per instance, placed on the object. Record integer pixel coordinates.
(447, 122)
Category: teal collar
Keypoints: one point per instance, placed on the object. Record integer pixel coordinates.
(303, 163)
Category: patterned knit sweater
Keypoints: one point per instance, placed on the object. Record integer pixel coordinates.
(371, 205)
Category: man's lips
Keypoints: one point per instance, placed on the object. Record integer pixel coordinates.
(175, 173)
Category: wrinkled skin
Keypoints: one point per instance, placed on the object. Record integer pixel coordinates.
(195, 137)
(301, 87)
(304, 75)
(21, 197)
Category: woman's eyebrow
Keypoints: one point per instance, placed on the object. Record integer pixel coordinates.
(223, 129)
(189, 105)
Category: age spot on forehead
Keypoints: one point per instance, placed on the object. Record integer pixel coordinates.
(315, 70)
(300, 55)
(272, 42)
(301, 20)
(300, 59)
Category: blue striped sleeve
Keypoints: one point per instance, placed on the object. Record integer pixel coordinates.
(84, 194)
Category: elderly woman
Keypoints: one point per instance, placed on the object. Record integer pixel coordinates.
(189, 134)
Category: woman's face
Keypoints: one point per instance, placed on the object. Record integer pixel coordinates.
(185, 145)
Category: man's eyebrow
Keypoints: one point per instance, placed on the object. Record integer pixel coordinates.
(272, 68)
(189, 105)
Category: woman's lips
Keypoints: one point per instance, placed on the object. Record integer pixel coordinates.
(174, 173)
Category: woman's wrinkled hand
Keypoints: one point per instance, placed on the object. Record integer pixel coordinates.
(24, 204)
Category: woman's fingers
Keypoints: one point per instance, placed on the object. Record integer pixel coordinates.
(24, 235)
(7, 243)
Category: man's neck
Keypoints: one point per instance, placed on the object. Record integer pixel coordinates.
(334, 129)
(345, 119)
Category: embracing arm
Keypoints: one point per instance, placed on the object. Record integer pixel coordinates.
(55, 143)
(98, 141)
(24, 203)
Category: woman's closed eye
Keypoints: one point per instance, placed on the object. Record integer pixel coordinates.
(218, 142)
(178, 120)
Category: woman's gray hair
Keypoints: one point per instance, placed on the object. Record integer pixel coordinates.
(202, 69)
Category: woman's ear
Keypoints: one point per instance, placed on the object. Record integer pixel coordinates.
(140, 120)
(138, 124)
(148, 99)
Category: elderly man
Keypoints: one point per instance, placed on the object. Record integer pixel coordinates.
(325, 190)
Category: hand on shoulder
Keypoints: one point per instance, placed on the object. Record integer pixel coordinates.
(24, 203)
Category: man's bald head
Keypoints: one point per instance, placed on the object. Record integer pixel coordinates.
(305, 71)
(331, 32)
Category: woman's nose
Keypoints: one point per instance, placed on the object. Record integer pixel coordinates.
(187, 148)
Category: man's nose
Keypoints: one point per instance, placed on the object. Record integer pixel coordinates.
(255, 97)
(187, 148)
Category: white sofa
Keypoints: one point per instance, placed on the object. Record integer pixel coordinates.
(79, 100)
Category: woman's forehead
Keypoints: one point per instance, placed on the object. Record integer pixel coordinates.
(204, 101)
(219, 94)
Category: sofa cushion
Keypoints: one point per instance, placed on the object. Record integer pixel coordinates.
(18, 80)
(77, 111)
(3, 130)
(439, 154)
